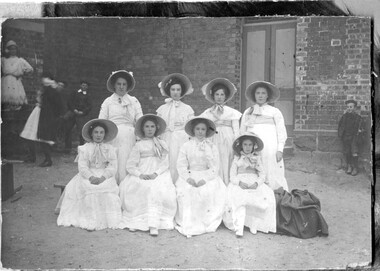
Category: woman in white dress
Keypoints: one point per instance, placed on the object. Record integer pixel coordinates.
(12, 69)
(200, 190)
(250, 202)
(148, 194)
(219, 91)
(175, 113)
(124, 110)
(267, 123)
(91, 199)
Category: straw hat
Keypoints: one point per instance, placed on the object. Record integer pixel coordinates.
(178, 78)
(257, 142)
(123, 74)
(161, 125)
(189, 127)
(111, 129)
(273, 91)
(11, 43)
(351, 101)
(207, 89)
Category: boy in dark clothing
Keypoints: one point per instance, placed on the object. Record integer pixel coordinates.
(348, 130)
(79, 106)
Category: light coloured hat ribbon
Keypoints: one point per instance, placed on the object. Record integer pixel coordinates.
(217, 109)
(159, 148)
(247, 160)
(256, 110)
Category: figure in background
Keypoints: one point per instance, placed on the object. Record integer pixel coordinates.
(219, 91)
(12, 70)
(267, 122)
(124, 110)
(175, 113)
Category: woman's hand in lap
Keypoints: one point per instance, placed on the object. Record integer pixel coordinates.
(254, 186)
(278, 156)
(243, 185)
(201, 182)
(145, 177)
(191, 181)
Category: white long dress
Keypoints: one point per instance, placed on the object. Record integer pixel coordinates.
(90, 206)
(268, 123)
(124, 112)
(148, 203)
(227, 125)
(175, 114)
(12, 89)
(254, 208)
(200, 209)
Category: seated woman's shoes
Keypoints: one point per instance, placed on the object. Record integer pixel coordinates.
(354, 172)
(153, 231)
(239, 233)
(132, 230)
(46, 164)
(349, 169)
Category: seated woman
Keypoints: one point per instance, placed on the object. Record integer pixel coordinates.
(91, 199)
(200, 190)
(147, 193)
(250, 202)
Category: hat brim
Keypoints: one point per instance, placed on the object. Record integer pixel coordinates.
(207, 89)
(237, 143)
(111, 133)
(160, 121)
(123, 74)
(183, 78)
(189, 127)
(351, 101)
(251, 89)
(11, 43)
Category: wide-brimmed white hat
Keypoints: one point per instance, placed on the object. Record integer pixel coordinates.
(190, 124)
(10, 43)
(110, 133)
(175, 78)
(208, 88)
(161, 125)
(123, 74)
(273, 91)
(257, 142)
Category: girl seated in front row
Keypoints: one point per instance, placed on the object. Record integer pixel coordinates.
(200, 190)
(148, 195)
(91, 199)
(250, 202)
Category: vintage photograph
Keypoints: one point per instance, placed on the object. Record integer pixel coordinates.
(182, 143)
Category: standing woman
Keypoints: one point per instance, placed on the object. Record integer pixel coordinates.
(219, 91)
(124, 110)
(268, 124)
(176, 114)
(12, 69)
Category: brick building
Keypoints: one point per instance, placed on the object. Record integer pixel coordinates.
(317, 62)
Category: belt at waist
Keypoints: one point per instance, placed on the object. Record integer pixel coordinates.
(227, 123)
(199, 168)
(129, 124)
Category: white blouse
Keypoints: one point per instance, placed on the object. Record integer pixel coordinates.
(121, 110)
(223, 115)
(175, 114)
(15, 66)
(247, 165)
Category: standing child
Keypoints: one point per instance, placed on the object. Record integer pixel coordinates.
(348, 131)
(147, 193)
(250, 202)
(200, 190)
(91, 199)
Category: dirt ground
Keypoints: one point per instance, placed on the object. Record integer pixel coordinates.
(31, 239)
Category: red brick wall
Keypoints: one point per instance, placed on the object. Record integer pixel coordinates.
(332, 66)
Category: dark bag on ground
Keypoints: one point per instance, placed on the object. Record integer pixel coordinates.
(298, 214)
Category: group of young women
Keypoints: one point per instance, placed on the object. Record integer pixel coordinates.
(175, 170)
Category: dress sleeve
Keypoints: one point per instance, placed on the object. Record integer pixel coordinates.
(235, 128)
(25, 66)
(233, 172)
(103, 114)
(243, 126)
(260, 171)
(190, 113)
(213, 164)
(183, 163)
(83, 162)
(111, 168)
(164, 162)
(139, 112)
(281, 130)
(134, 161)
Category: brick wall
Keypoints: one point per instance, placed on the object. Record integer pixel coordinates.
(201, 48)
(332, 66)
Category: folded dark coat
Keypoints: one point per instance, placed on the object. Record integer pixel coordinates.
(298, 214)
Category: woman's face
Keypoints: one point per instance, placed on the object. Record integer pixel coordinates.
(247, 146)
(219, 96)
(261, 95)
(200, 130)
(12, 50)
(149, 129)
(121, 86)
(98, 134)
(175, 92)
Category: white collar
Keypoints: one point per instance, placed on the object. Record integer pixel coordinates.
(84, 92)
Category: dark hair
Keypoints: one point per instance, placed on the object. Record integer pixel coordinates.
(240, 144)
(8, 55)
(121, 75)
(218, 86)
(152, 119)
(198, 121)
(47, 75)
(97, 124)
(84, 82)
(265, 86)
(174, 81)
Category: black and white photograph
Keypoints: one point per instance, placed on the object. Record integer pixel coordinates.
(177, 137)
